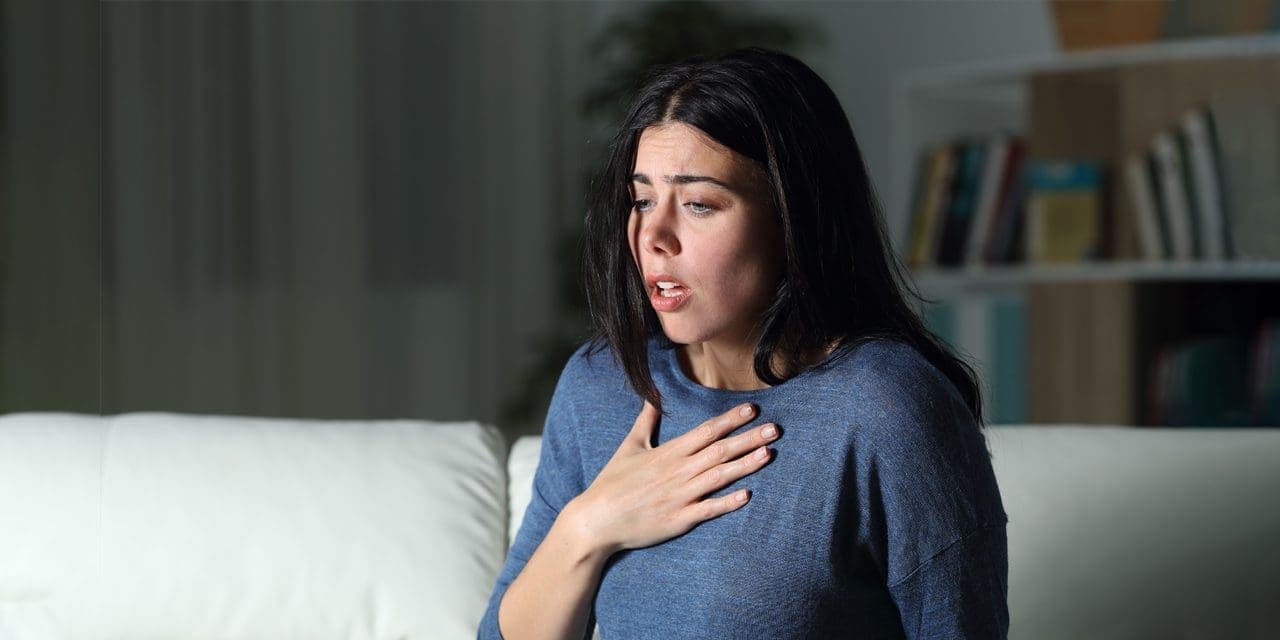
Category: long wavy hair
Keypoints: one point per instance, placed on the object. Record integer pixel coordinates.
(841, 283)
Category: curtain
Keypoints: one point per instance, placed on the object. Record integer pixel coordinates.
(310, 209)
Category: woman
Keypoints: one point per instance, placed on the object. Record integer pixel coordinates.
(742, 286)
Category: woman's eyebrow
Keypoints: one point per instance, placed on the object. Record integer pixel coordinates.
(683, 179)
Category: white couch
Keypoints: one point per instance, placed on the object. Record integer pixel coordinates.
(178, 526)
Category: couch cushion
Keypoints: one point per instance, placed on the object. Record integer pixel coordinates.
(1141, 533)
(161, 525)
(521, 464)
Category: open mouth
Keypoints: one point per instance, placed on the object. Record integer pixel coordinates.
(669, 289)
(666, 294)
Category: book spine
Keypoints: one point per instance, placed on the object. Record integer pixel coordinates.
(921, 207)
(1144, 207)
(960, 214)
(1206, 189)
(988, 198)
(940, 203)
(1006, 231)
(1174, 196)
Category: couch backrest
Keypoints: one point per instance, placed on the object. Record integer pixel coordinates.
(1124, 532)
(178, 526)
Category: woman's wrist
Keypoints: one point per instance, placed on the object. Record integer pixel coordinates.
(581, 539)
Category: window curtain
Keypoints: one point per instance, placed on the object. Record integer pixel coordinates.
(305, 209)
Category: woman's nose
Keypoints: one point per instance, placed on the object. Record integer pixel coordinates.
(657, 232)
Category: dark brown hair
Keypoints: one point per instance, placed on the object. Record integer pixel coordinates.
(841, 283)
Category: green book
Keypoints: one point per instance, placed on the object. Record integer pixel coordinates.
(1266, 375)
(1208, 384)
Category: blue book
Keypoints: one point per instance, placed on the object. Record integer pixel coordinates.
(1008, 359)
(964, 193)
(990, 333)
(940, 318)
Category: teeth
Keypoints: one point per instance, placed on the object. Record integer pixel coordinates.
(669, 294)
(667, 285)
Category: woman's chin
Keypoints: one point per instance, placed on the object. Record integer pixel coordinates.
(681, 334)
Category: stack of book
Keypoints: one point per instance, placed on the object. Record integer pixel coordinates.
(1205, 189)
(981, 201)
(1218, 381)
(1209, 189)
(968, 202)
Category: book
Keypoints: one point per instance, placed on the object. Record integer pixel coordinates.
(1207, 195)
(1006, 231)
(1211, 128)
(1146, 216)
(1064, 211)
(1248, 139)
(1162, 218)
(942, 206)
(915, 239)
(991, 182)
(1173, 196)
(1188, 185)
(931, 201)
(959, 215)
(1265, 375)
(989, 331)
(1008, 357)
(940, 319)
(1203, 382)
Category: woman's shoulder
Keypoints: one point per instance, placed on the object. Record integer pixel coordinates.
(593, 368)
(887, 366)
(891, 388)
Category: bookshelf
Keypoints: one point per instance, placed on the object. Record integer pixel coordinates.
(1084, 338)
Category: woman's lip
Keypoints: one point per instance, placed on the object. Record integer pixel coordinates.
(667, 304)
(653, 280)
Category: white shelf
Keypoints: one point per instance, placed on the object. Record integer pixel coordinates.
(1009, 72)
(943, 281)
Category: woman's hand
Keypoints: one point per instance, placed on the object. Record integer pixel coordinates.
(646, 495)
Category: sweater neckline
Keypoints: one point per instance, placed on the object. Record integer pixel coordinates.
(680, 381)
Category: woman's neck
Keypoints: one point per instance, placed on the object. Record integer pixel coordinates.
(720, 367)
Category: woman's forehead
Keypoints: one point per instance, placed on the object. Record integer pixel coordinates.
(673, 149)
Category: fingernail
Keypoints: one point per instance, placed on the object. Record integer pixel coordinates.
(769, 431)
(745, 410)
(762, 453)
(742, 496)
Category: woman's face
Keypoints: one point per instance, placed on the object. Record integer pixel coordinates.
(703, 235)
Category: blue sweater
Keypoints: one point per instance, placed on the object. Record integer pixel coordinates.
(878, 517)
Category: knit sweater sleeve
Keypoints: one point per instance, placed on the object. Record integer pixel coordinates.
(959, 593)
(557, 480)
(935, 520)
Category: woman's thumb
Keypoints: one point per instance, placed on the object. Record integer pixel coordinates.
(642, 430)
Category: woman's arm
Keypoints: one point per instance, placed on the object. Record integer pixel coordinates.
(552, 595)
(643, 496)
(962, 592)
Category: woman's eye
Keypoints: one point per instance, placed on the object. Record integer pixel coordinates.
(699, 208)
(642, 205)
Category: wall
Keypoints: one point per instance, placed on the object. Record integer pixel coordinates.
(871, 45)
(246, 239)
